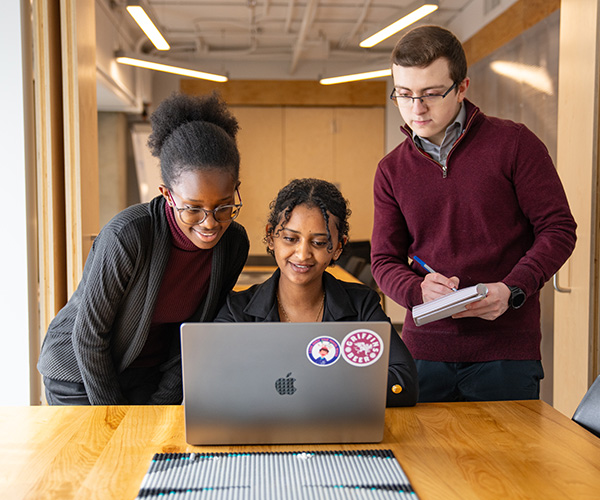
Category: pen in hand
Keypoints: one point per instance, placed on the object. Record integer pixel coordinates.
(428, 269)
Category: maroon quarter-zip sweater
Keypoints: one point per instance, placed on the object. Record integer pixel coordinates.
(499, 213)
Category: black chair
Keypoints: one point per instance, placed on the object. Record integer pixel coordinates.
(360, 248)
(354, 265)
(366, 276)
(261, 260)
(587, 413)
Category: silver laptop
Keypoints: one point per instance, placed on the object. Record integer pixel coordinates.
(266, 383)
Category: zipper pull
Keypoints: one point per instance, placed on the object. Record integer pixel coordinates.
(444, 171)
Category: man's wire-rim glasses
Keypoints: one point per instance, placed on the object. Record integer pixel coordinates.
(191, 216)
(427, 99)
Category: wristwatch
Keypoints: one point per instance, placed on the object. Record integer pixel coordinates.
(517, 297)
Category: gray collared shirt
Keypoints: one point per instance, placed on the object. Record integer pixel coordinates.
(453, 131)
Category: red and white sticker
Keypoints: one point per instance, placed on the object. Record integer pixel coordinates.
(362, 347)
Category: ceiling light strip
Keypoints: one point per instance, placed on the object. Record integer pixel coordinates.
(400, 24)
(177, 70)
(148, 27)
(356, 77)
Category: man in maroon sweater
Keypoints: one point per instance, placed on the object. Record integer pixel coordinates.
(479, 200)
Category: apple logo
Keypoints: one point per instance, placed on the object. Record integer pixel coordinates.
(285, 385)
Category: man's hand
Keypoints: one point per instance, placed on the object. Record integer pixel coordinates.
(493, 306)
(435, 285)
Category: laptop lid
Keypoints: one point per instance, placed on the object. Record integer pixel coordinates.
(268, 383)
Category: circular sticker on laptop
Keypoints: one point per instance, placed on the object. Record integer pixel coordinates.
(323, 351)
(362, 347)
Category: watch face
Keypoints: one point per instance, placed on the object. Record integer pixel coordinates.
(517, 297)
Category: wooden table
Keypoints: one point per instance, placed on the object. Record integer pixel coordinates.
(522, 449)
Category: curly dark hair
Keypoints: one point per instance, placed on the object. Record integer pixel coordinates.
(315, 193)
(425, 44)
(192, 133)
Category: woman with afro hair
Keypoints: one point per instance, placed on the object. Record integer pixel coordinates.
(154, 266)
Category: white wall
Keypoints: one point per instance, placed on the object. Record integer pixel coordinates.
(14, 299)
(393, 121)
(476, 15)
(119, 87)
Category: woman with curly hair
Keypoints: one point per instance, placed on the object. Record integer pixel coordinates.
(154, 266)
(306, 232)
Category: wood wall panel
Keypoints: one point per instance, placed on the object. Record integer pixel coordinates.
(358, 147)
(519, 17)
(49, 161)
(291, 93)
(81, 132)
(260, 141)
(308, 147)
(64, 85)
(575, 320)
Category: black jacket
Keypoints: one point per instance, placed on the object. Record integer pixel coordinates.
(343, 302)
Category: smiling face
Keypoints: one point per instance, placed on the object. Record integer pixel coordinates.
(206, 189)
(300, 245)
(429, 121)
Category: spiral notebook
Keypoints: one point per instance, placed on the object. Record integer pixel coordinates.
(448, 305)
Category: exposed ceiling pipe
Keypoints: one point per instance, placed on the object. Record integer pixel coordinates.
(266, 7)
(252, 29)
(309, 15)
(359, 22)
(289, 17)
(265, 53)
(220, 24)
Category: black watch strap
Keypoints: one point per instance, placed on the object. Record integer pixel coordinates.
(517, 297)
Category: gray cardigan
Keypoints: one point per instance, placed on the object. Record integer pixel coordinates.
(105, 324)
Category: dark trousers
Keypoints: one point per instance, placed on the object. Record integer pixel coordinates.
(502, 380)
(137, 385)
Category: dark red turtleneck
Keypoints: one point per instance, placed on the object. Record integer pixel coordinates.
(184, 287)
